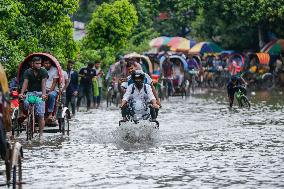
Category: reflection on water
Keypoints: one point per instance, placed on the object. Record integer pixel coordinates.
(200, 144)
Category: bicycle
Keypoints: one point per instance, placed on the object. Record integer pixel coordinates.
(30, 127)
(242, 99)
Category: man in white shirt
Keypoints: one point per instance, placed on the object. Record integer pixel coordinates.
(51, 88)
(64, 86)
(139, 93)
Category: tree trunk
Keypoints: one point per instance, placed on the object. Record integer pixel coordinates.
(261, 41)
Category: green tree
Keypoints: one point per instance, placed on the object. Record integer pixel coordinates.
(110, 27)
(36, 26)
(239, 24)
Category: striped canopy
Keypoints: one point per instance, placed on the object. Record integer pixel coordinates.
(159, 41)
(180, 44)
(205, 47)
(274, 47)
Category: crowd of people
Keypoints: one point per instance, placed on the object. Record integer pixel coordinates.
(134, 80)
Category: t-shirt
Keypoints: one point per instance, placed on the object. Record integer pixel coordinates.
(34, 83)
(88, 74)
(65, 77)
(52, 74)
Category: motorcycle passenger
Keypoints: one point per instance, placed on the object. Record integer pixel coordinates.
(233, 86)
(139, 92)
(35, 83)
(147, 80)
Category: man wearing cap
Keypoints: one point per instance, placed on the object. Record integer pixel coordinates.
(139, 93)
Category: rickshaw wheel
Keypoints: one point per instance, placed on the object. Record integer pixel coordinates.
(17, 170)
(30, 125)
(244, 102)
(8, 164)
(117, 99)
(64, 124)
(109, 97)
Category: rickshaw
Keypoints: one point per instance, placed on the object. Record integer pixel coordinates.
(176, 83)
(234, 66)
(257, 73)
(10, 152)
(195, 71)
(61, 112)
(146, 64)
(156, 74)
(144, 61)
(213, 66)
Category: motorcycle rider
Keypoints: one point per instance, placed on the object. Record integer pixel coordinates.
(139, 92)
(128, 81)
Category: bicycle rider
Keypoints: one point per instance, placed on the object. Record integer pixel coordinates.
(35, 83)
(236, 83)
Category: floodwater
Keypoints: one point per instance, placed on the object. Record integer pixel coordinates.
(200, 144)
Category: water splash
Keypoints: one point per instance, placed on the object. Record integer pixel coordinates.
(130, 135)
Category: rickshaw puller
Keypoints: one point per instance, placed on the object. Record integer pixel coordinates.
(35, 82)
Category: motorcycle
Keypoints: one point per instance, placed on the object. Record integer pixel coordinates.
(137, 111)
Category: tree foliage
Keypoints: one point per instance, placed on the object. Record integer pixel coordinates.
(237, 24)
(111, 26)
(36, 26)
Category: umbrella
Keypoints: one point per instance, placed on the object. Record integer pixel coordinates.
(159, 41)
(205, 47)
(180, 44)
(274, 47)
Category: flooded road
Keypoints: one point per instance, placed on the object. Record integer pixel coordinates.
(200, 144)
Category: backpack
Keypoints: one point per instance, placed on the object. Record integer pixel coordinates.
(133, 89)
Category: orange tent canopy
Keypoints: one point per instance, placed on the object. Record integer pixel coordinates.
(263, 58)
